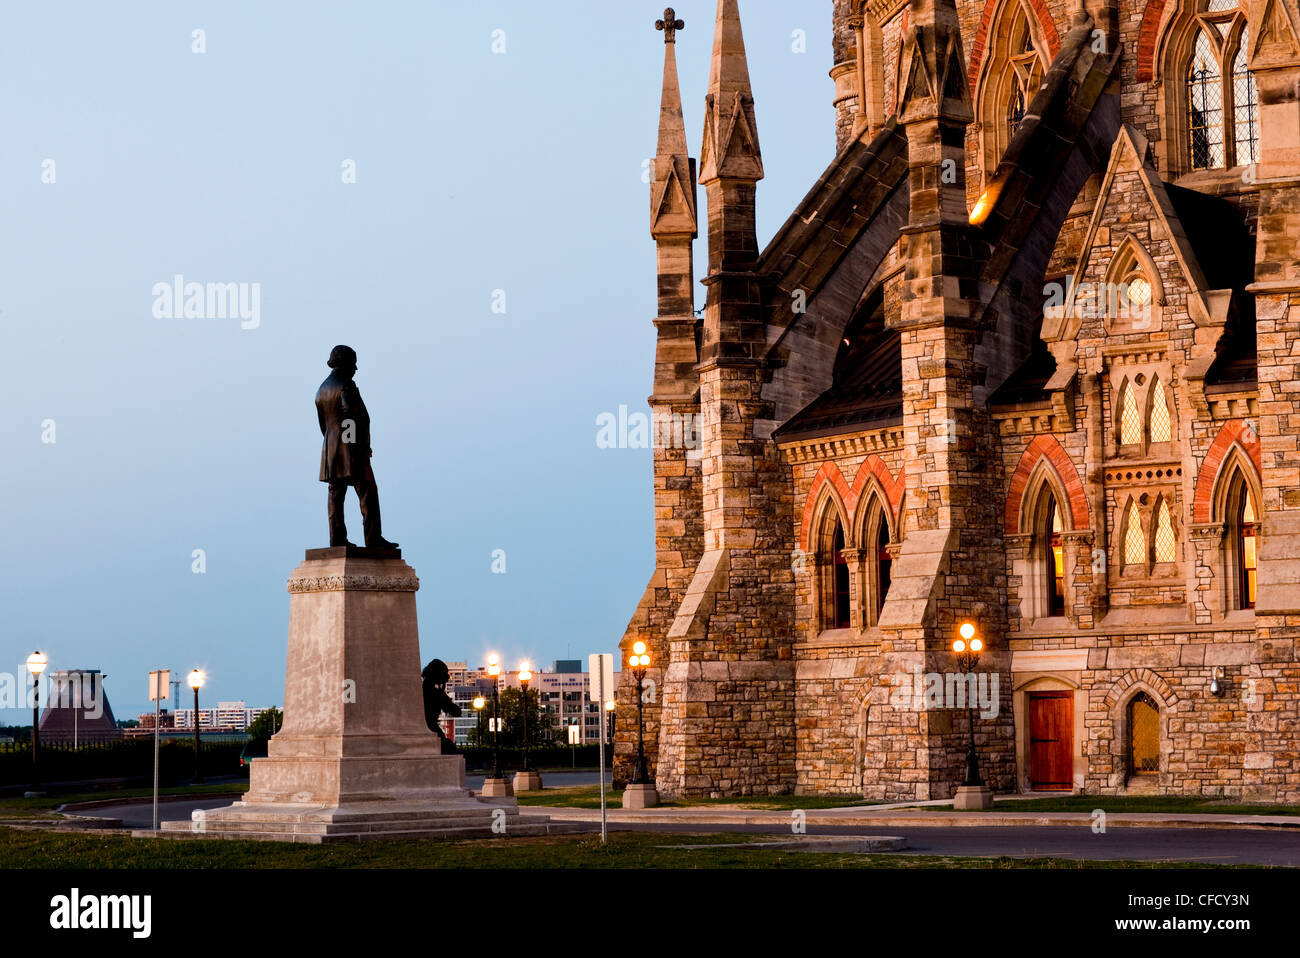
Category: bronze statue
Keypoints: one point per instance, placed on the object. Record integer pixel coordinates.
(437, 701)
(345, 456)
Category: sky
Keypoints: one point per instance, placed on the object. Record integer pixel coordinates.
(387, 175)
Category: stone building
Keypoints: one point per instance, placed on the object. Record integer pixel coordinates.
(1025, 356)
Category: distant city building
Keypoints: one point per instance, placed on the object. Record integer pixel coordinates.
(225, 717)
(77, 710)
(165, 720)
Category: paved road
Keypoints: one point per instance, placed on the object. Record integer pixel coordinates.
(1204, 845)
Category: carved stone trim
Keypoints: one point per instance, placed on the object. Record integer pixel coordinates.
(408, 582)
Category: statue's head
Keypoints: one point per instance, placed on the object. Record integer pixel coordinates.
(343, 359)
(436, 673)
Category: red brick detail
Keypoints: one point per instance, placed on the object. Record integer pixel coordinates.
(1232, 433)
(1147, 37)
(982, 36)
(875, 466)
(1046, 447)
(829, 472)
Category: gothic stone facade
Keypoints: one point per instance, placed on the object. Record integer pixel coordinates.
(1025, 357)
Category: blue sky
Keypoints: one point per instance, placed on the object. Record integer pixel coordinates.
(475, 171)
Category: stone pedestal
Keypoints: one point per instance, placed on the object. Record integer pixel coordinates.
(354, 758)
(640, 796)
(973, 798)
(527, 782)
(497, 788)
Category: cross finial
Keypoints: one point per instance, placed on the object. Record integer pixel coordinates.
(670, 25)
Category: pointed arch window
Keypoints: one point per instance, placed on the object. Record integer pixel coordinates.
(1055, 566)
(1012, 76)
(1241, 543)
(884, 566)
(1130, 421)
(1135, 544)
(1143, 735)
(840, 582)
(1222, 99)
(1166, 546)
(1161, 424)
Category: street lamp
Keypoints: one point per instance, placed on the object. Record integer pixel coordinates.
(196, 683)
(479, 702)
(496, 786)
(968, 648)
(639, 660)
(36, 663)
(525, 676)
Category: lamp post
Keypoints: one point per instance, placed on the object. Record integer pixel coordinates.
(638, 662)
(196, 683)
(496, 786)
(526, 780)
(479, 702)
(640, 792)
(973, 793)
(36, 663)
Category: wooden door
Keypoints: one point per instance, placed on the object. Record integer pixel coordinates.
(1051, 741)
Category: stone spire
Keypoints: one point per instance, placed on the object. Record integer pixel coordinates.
(730, 132)
(673, 225)
(730, 167)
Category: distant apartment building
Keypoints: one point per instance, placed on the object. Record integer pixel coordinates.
(225, 717)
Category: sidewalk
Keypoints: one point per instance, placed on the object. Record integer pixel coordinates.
(908, 815)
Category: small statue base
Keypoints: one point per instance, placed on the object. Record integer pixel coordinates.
(527, 782)
(641, 796)
(497, 788)
(973, 798)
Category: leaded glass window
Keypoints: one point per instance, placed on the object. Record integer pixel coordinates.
(1161, 424)
(1166, 544)
(1130, 422)
(1205, 106)
(1135, 544)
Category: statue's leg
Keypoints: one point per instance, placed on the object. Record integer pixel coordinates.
(368, 495)
(338, 529)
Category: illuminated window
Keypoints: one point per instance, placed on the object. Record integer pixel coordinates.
(1135, 544)
(1161, 425)
(1055, 559)
(1130, 422)
(1143, 735)
(1242, 544)
(1166, 544)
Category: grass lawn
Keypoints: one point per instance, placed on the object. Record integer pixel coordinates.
(1119, 804)
(44, 849)
(588, 796)
(33, 808)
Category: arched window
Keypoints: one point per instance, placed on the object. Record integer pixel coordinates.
(1013, 72)
(1222, 100)
(884, 566)
(1026, 74)
(1161, 423)
(1135, 543)
(1166, 546)
(1054, 586)
(1143, 735)
(1130, 421)
(1241, 543)
(840, 580)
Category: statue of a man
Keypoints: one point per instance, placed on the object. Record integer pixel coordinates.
(345, 456)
